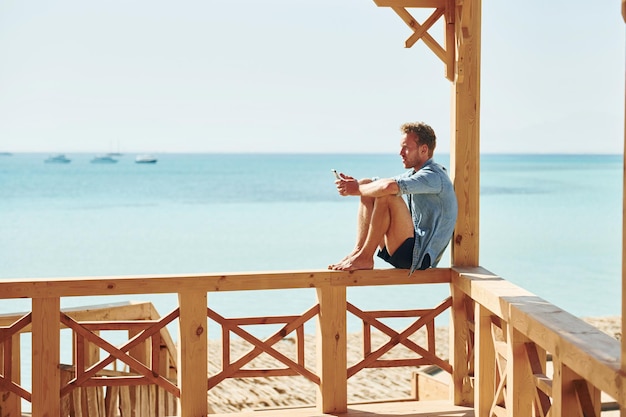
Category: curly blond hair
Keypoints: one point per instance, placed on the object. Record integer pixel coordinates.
(425, 134)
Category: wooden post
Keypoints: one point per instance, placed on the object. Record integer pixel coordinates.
(46, 328)
(461, 386)
(623, 354)
(485, 358)
(192, 354)
(564, 403)
(465, 141)
(10, 404)
(520, 397)
(465, 165)
(332, 361)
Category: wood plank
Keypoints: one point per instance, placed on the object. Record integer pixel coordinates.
(485, 359)
(111, 401)
(93, 402)
(462, 393)
(332, 350)
(410, 3)
(420, 30)
(588, 398)
(66, 375)
(163, 284)
(564, 402)
(622, 399)
(77, 402)
(465, 143)
(543, 384)
(125, 401)
(46, 380)
(193, 359)
(396, 409)
(10, 365)
(450, 40)
(520, 398)
(419, 33)
(141, 352)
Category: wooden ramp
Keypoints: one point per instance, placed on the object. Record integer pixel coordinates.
(380, 409)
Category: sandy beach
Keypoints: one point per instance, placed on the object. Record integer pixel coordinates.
(367, 385)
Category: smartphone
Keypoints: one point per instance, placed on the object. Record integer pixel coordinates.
(336, 174)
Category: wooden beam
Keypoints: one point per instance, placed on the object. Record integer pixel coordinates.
(465, 146)
(623, 352)
(450, 40)
(46, 401)
(411, 3)
(421, 30)
(519, 401)
(428, 40)
(332, 350)
(193, 359)
(168, 284)
(462, 393)
(485, 359)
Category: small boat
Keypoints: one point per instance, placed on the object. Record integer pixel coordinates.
(145, 159)
(57, 159)
(104, 159)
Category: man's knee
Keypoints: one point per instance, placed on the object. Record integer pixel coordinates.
(390, 199)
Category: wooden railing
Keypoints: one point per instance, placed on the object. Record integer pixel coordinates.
(91, 386)
(46, 321)
(501, 338)
(511, 334)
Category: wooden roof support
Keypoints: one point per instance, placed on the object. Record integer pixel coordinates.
(465, 141)
(455, 35)
(623, 341)
(420, 31)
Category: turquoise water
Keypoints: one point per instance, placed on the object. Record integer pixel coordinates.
(551, 224)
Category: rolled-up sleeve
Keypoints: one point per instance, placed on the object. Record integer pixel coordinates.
(424, 181)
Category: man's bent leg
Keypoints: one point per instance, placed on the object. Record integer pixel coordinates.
(388, 224)
(401, 227)
(364, 218)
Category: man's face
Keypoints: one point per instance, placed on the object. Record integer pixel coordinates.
(413, 155)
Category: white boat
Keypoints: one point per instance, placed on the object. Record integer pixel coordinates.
(104, 159)
(145, 159)
(57, 159)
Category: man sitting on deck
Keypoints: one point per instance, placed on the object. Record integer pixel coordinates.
(412, 237)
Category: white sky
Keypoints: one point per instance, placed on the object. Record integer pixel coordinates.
(298, 76)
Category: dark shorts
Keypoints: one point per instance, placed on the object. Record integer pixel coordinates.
(403, 256)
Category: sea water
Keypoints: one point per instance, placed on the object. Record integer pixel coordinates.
(549, 223)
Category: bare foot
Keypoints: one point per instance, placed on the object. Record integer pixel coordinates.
(355, 263)
(345, 258)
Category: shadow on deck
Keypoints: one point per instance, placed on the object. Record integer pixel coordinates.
(379, 409)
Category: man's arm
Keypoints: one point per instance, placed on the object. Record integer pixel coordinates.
(378, 188)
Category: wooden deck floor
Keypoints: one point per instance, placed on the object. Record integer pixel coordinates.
(386, 409)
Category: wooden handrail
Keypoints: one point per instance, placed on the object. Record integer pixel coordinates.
(588, 352)
(171, 284)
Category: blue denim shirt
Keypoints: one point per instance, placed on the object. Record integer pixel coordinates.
(433, 206)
